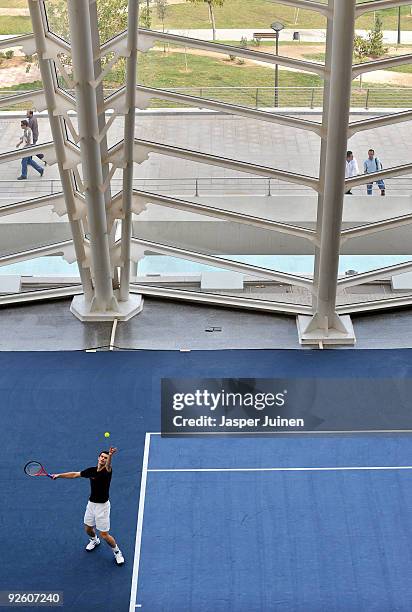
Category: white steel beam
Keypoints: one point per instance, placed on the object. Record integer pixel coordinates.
(18, 207)
(129, 130)
(145, 147)
(36, 97)
(58, 248)
(260, 56)
(378, 226)
(144, 197)
(326, 321)
(381, 64)
(362, 179)
(26, 41)
(323, 147)
(366, 277)
(83, 68)
(386, 303)
(147, 39)
(57, 293)
(48, 76)
(376, 122)
(378, 5)
(229, 301)
(146, 246)
(46, 148)
(147, 93)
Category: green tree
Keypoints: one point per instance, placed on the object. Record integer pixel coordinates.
(371, 46)
(376, 48)
(161, 10)
(112, 19)
(211, 4)
(360, 51)
(145, 17)
(112, 16)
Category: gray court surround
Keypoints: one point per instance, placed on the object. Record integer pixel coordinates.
(174, 326)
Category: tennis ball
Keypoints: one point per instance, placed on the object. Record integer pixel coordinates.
(107, 434)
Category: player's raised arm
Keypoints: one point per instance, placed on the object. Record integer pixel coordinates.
(66, 475)
(112, 451)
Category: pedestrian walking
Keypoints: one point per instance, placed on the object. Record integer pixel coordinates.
(373, 164)
(351, 169)
(34, 126)
(27, 140)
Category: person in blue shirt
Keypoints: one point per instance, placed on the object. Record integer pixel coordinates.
(373, 164)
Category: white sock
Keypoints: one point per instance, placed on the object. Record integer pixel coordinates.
(115, 550)
(94, 539)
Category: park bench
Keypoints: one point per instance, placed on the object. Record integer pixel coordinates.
(272, 35)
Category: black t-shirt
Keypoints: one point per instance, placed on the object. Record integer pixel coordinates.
(99, 484)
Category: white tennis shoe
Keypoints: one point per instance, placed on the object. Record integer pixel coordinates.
(92, 544)
(119, 558)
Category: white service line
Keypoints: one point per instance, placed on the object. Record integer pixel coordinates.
(139, 528)
(273, 434)
(287, 469)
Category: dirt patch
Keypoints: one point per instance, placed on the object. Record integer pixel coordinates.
(11, 63)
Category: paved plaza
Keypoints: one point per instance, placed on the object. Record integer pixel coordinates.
(247, 140)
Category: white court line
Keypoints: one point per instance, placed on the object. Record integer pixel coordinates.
(287, 469)
(139, 527)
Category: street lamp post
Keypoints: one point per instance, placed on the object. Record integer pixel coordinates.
(277, 27)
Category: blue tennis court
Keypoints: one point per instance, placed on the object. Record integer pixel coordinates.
(303, 523)
(239, 530)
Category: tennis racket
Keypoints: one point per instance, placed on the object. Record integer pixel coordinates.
(34, 468)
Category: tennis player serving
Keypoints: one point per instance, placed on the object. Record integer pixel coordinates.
(97, 515)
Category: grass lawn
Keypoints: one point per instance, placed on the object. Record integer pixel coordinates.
(15, 25)
(24, 86)
(233, 14)
(158, 69)
(261, 13)
(209, 77)
(406, 68)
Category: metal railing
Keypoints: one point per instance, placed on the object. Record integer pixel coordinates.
(263, 97)
(193, 187)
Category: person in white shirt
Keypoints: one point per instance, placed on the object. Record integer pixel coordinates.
(27, 140)
(352, 168)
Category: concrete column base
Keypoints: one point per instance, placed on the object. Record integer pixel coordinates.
(81, 309)
(310, 333)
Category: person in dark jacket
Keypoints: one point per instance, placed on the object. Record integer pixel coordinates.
(34, 126)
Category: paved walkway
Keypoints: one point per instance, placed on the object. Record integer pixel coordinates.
(257, 142)
(14, 12)
(306, 35)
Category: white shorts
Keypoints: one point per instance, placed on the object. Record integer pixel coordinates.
(98, 515)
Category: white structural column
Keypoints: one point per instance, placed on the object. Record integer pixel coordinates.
(37, 14)
(83, 68)
(129, 129)
(323, 147)
(326, 325)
